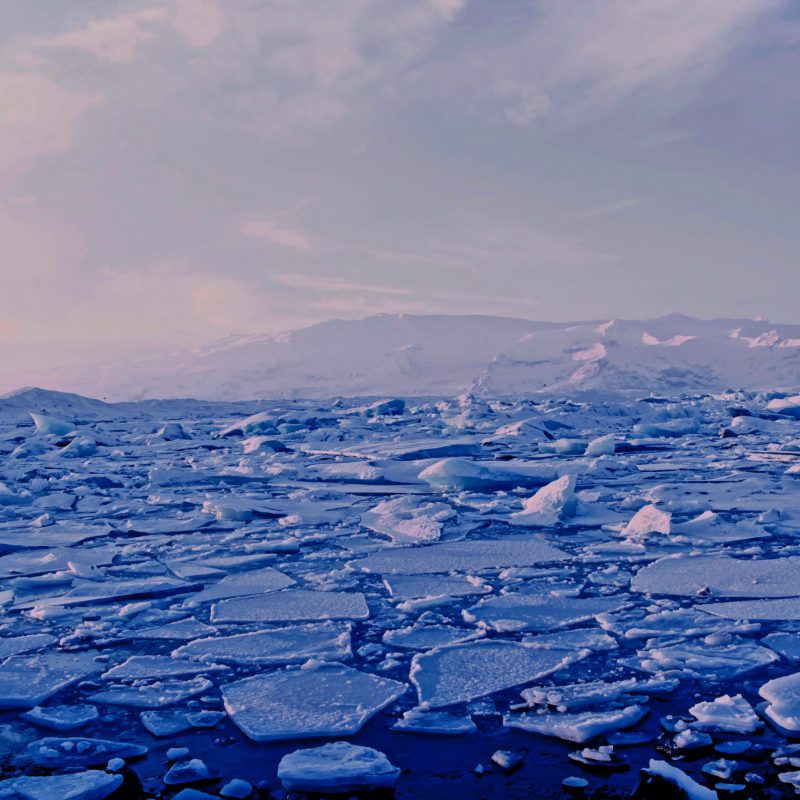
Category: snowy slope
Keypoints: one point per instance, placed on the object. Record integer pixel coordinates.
(444, 355)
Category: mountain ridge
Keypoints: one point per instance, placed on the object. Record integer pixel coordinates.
(430, 355)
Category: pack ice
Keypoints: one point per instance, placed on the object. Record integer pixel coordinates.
(603, 569)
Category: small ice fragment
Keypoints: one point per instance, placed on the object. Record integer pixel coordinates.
(339, 767)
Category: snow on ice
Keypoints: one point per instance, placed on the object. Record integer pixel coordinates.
(594, 568)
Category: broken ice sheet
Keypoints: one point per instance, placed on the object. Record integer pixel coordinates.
(702, 660)
(720, 576)
(294, 644)
(26, 681)
(151, 667)
(256, 581)
(439, 723)
(169, 722)
(477, 554)
(89, 785)
(330, 700)
(57, 753)
(61, 718)
(464, 672)
(291, 605)
(580, 727)
(152, 695)
(535, 612)
(426, 637)
(414, 587)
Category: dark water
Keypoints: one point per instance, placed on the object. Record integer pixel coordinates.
(432, 766)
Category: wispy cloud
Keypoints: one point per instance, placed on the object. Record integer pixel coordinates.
(116, 39)
(276, 234)
(326, 284)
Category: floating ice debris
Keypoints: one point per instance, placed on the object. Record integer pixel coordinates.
(485, 476)
(788, 406)
(507, 759)
(579, 639)
(89, 785)
(336, 767)
(720, 576)
(392, 407)
(90, 592)
(256, 581)
(726, 713)
(291, 605)
(578, 695)
(37, 562)
(602, 758)
(407, 521)
(784, 644)
(189, 771)
(262, 422)
(193, 794)
(461, 556)
(550, 505)
(152, 695)
(712, 662)
(783, 702)
(416, 587)
(670, 428)
(56, 753)
(456, 674)
(685, 622)
(648, 519)
(295, 644)
(236, 788)
(410, 449)
(331, 700)
(51, 426)
(425, 637)
(580, 727)
(189, 628)
(440, 723)
(173, 721)
(151, 667)
(722, 768)
(679, 779)
(27, 681)
(781, 609)
(14, 645)
(688, 741)
(601, 446)
(532, 612)
(61, 718)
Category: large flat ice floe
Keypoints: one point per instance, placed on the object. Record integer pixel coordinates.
(721, 577)
(461, 556)
(291, 605)
(331, 700)
(325, 641)
(456, 674)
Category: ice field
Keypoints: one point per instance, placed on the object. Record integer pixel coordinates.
(468, 597)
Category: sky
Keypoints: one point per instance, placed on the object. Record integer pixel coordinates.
(173, 171)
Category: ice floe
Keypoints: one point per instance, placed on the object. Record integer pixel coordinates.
(331, 700)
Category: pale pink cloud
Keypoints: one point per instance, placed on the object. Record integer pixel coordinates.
(37, 117)
(115, 39)
(198, 21)
(277, 234)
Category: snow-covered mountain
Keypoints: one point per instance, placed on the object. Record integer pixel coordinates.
(445, 355)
